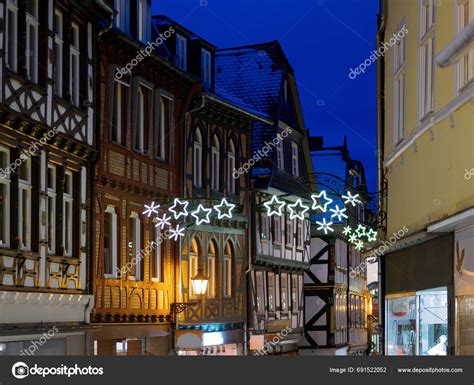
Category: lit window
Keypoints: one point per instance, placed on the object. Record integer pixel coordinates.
(135, 256)
(31, 53)
(211, 268)
(74, 54)
(119, 112)
(215, 164)
(206, 67)
(228, 258)
(4, 198)
(12, 34)
(295, 169)
(426, 58)
(231, 169)
(110, 242)
(51, 209)
(58, 53)
(157, 257)
(194, 257)
(465, 66)
(181, 56)
(24, 204)
(197, 161)
(67, 213)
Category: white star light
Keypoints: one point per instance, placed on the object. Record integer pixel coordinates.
(220, 213)
(298, 213)
(359, 245)
(339, 213)
(353, 238)
(176, 232)
(360, 230)
(347, 230)
(152, 209)
(316, 204)
(274, 202)
(352, 199)
(183, 212)
(196, 215)
(371, 235)
(163, 221)
(325, 226)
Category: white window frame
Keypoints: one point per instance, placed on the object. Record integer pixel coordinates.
(68, 203)
(399, 88)
(58, 50)
(181, 52)
(468, 58)
(12, 6)
(426, 55)
(24, 219)
(161, 129)
(299, 233)
(51, 210)
(137, 242)
(215, 164)
(74, 55)
(206, 67)
(231, 160)
(279, 155)
(193, 269)
(113, 241)
(197, 158)
(289, 231)
(31, 47)
(139, 142)
(6, 182)
(295, 167)
(157, 256)
(228, 271)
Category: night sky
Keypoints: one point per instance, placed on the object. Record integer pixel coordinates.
(322, 40)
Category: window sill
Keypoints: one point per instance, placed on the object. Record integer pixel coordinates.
(110, 276)
(156, 280)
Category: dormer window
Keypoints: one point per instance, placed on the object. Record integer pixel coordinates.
(206, 67)
(294, 159)
(74, 54)
(181, 52)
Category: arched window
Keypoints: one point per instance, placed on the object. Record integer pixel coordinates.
(228, 260)
(197, 160)
(215, 169)
(194, 258)
(231, 168)
(211, 269)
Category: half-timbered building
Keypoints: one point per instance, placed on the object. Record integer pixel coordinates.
(279, 166)
(47, 150)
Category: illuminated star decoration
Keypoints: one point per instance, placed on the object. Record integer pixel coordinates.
(359, 245)
(353, 238)
(360, 230)
(152, 209)
(316, 205)
(163, 221)
(274, 202)
(325, 226)
(371, 235)
(199, 219)
(352, 199)
(183, 212)
(297, 213)
(347, 230)
(176, 232)
(228, 211)
(339, 213)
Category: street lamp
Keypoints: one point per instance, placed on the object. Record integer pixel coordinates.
(199, 282)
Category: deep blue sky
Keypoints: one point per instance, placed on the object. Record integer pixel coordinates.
(322, 40)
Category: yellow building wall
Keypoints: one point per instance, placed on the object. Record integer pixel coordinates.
(426, 183)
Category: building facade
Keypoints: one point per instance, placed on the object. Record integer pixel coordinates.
(47, 152)
(425, 83)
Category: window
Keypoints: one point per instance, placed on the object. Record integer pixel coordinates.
(4, 198)
(231, 168)
(51, 209)
(294, 293)
(206, 67)
(215, 164)
(134, 252)
(194, 257)
(399, 90)
(285, 90)
(164, 126)
(197, 161)
(141, 20)
(31, 53)
(157, 257)
(142, 119)
(67, 213)
(465, 66)
(119, 112)
(295, 169)
(110, 242)
(300, 234)
(12, 34)
(277, 229)
(284, 292)
(211, 270)
(260, 292)
(279, 155)
(271, 291)
(58, 53)
(265, 227)
(289, 231)
(228, 258)
(24, 204)
(426, 57)
(181, 52)
(74, 65)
